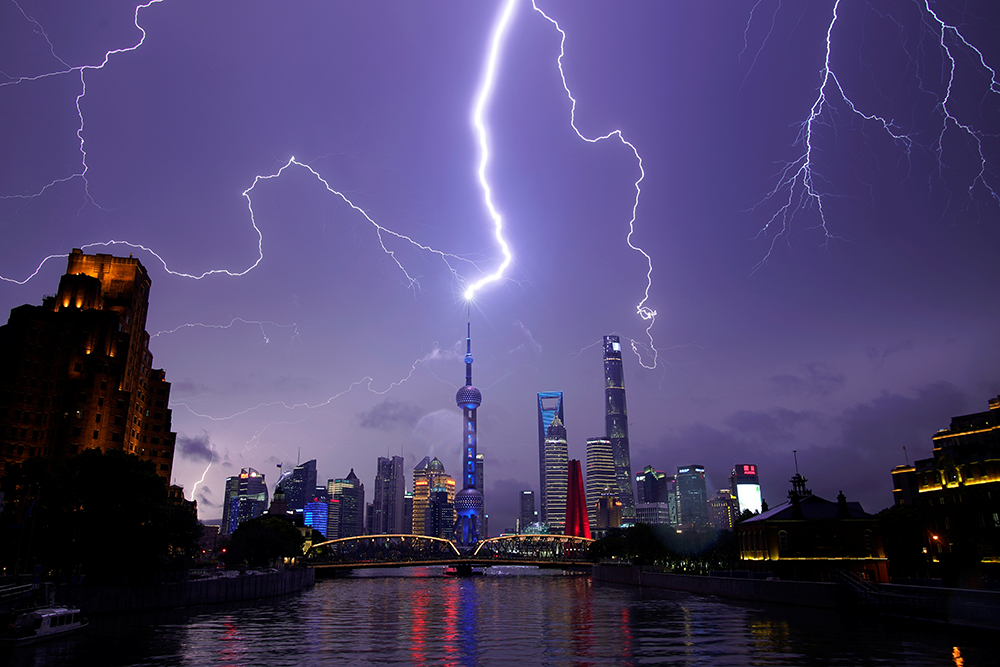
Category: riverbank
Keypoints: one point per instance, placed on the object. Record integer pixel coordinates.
(228, 587)
(951, 606)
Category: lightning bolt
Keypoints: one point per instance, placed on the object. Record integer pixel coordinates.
(796, 186)
(644, 311)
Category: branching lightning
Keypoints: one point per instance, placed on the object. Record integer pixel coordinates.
(796, 182)
(645, 312)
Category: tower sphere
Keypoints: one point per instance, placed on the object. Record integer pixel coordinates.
(469, 397)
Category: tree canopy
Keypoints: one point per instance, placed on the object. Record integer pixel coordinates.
(106, 515)
(263, 541)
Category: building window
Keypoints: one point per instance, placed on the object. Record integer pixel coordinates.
(96, 433)
(869, 543)
(782, 541)
(97, 418)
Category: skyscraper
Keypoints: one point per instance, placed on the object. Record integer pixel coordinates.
(556, 477)
(246, 498)
(692, 498)
(577, 521)
(550, 406)
(469, 509)
(600, 473)
(744, 486)
(350, 493)
(651, 486)
(387, 505)
(76, 372)
(429, 475)
(528, 515)
(616, 424)
(300, 485)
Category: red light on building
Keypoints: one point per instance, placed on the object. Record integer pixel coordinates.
(577, 521)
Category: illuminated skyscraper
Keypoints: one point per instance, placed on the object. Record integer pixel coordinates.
(387, 505)
(550, 406)
(528, 514)
(429, 475)
(246, 498)
(577, 521)
(600, 473)
(469, 501)
(616, 423)
(556, 477)
(744, 486)
(609, 513)
(76, 372)
(692, 498)
(300, 485)
(651, 486)
(350, 493)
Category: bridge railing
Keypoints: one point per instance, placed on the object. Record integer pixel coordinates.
(384, 549)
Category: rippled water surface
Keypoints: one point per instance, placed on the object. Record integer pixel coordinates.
(521, 617)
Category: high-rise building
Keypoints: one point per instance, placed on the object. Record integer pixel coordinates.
(387, 505)
(550, 407)
(246, 498)
(744, 486)
(600, 473)
(692, 499)
(350, 493)
(317, 516)
(76, 372)
(556, 477)
(480, 479)
(577, 521)
(723, 510)
(468, 504)
(528, 515)
(439, 520)
(654, 514)
(672, 500)
(428, 475)
(651, 486)
(616, 424)
(609, 513)
(408, 512)
(300, 485)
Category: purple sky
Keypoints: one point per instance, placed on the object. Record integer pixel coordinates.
(846, 344)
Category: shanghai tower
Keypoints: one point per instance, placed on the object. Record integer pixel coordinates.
(468, 501)
(616, 424)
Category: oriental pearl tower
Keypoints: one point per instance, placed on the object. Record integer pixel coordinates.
(468, 501)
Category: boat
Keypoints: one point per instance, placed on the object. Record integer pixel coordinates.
(40, 624)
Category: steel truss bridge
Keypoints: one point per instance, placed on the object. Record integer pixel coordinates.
(366, 551)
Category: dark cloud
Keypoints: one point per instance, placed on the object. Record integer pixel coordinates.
(503, 497)
(816, 379)
(778, 424)
(391, 414)
(204, 493)
(878, 355)
(197, 448)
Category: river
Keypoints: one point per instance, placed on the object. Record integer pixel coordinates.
(513, 616)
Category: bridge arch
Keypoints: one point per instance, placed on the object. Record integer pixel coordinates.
(384, 550)
(533, 548)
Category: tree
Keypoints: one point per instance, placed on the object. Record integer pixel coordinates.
(105, 515)
(264, 541)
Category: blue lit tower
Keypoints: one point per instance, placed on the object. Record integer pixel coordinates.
(616, 422)
(550, 407)
(468, 501)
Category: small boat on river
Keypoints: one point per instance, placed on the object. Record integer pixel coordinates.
(39, 625)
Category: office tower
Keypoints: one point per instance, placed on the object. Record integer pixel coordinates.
(654, 514)
(387, 505)
(527, 515)
(317, 516)
(616, 424)
(744, 486)
(76, 372)
(428, 475)
(609, 513)
(692, 499)
(651, 486)
(439, 520)
(723, 510)
(350, 493)
(300, 485)
(550, 406)
(408, 512)
(672, 499)
(577, 521)
(469, 510)
(480, 479)
(600, 473)
(556, 477)
(278, 505)
(246, 498)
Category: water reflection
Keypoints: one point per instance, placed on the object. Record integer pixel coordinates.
(523, 617)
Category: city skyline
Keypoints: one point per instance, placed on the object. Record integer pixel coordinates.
(849, 343)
